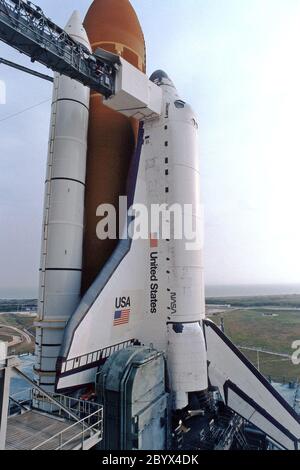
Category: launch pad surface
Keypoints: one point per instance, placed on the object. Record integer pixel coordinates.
(36, 430)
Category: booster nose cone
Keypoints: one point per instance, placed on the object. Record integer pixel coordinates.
(75, 29)
(161, 78)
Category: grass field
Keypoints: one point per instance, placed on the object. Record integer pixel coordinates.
(247, 323)
(292, 301)
(19, 321)
(252, 329)
(6, 338)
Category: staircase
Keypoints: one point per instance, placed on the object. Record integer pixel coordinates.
(53, 422)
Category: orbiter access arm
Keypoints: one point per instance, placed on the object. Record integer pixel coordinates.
(25, 27)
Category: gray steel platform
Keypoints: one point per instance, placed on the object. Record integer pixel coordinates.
(27, 431)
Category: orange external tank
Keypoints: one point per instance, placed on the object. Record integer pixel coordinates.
(111, 25)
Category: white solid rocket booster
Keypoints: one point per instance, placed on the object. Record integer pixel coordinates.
(61, 257)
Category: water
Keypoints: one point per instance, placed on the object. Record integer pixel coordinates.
(252, 290)
(17, 383)
(18, 293)
(237, 290)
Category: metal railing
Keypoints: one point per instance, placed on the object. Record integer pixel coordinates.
(93, 358)
(90, 424)
(77, 434)
(20, 402)
(80, 408)
(230, 433)
(82, 420)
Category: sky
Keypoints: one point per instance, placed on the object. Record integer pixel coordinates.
(238, 64)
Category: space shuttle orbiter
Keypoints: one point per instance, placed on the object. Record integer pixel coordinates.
(150, 289)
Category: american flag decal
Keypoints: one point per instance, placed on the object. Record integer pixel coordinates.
(121, 317)
(153, 240)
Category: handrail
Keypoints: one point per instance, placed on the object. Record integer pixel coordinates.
(67, 405)
(19, 403)
(47, 395)
(21, 392)
(71, 403)
(82, 433)
(93, 357)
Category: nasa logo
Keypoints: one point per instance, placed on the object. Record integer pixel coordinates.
(122, 302)
(173, 303)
